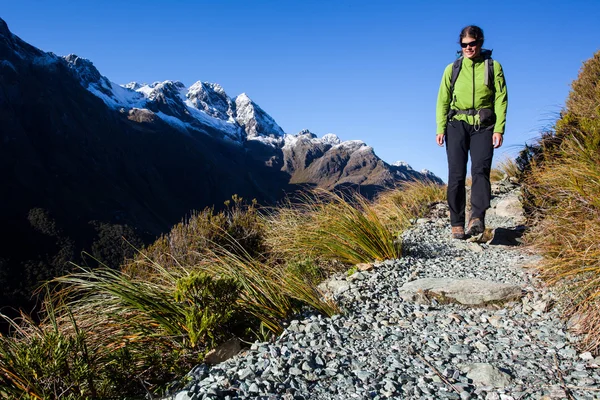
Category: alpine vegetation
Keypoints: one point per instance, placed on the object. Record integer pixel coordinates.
(563, 192)
(238, 273)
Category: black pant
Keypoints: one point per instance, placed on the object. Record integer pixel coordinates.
(460, 139)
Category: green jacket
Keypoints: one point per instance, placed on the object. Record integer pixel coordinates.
(466, 96)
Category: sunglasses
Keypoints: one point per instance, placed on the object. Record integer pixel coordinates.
(471, 44)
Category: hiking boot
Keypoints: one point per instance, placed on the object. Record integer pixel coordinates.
(458, 232)
(476, 227)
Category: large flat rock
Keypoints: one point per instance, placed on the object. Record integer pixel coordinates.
(484, 374)
(473, 292)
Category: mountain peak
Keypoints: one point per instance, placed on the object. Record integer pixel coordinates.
(306, 132)
(133, 85)
(243, 98)
(254, 120)
(88, 74)
(212, 99)
(403, 164)
(4, 31)
(331, 139)
(83, 67)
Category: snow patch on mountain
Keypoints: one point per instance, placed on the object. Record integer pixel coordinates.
(173, 121)
(331, 139)
(402, 164)
(352, 145)
(133, 85)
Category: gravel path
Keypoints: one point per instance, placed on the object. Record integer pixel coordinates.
(384, 347)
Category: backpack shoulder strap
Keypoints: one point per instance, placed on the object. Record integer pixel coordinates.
(455, 71)
(489, 73)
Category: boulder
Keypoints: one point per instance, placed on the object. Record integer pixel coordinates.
(223, 352)
(483, 374)
(511, 207)
(473, 292)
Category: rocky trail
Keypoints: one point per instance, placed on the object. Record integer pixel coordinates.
(449, 320)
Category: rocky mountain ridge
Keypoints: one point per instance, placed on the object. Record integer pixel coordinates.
(237, 119)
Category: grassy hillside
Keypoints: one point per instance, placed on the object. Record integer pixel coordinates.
(563, 196)
(241, 272)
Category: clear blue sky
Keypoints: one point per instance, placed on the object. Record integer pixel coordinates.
(367, 70)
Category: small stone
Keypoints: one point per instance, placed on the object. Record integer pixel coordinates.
(458, 349)
(464, 395)
(586, 356)
(364, 267)
(496, 321)
(357, 276)
(506, 397)
(246, 373)
(253, 388)
(567, 353)
(306, 366)
(363, 375)
(481, 347)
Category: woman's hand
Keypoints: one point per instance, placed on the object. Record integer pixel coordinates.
(439, 138)
(497, 139)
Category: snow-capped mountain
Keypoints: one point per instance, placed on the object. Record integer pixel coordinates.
(202, 108)
(206, 108)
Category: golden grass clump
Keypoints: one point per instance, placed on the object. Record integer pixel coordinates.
(328, 226)
(583, 98)
(506, 167)
(409, 201)
(325, 225)
(563, 189)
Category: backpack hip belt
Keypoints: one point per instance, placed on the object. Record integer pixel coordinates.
(486, 115)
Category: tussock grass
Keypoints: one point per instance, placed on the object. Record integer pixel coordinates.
(409, 201)
(329, 226)
(269, 293)
(507, 167)
(563, 190)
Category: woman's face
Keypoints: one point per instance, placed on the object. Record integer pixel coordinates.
(472, 49)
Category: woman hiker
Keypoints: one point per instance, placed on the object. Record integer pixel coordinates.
(470, 116)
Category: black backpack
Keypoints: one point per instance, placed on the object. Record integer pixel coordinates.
(489, 63)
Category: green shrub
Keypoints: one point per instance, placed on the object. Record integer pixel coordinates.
(189, 241)
(39, 361)
(210, 303)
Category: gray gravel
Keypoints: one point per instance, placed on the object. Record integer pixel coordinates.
(383, 347)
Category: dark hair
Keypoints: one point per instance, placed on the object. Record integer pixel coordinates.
(473, 31)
